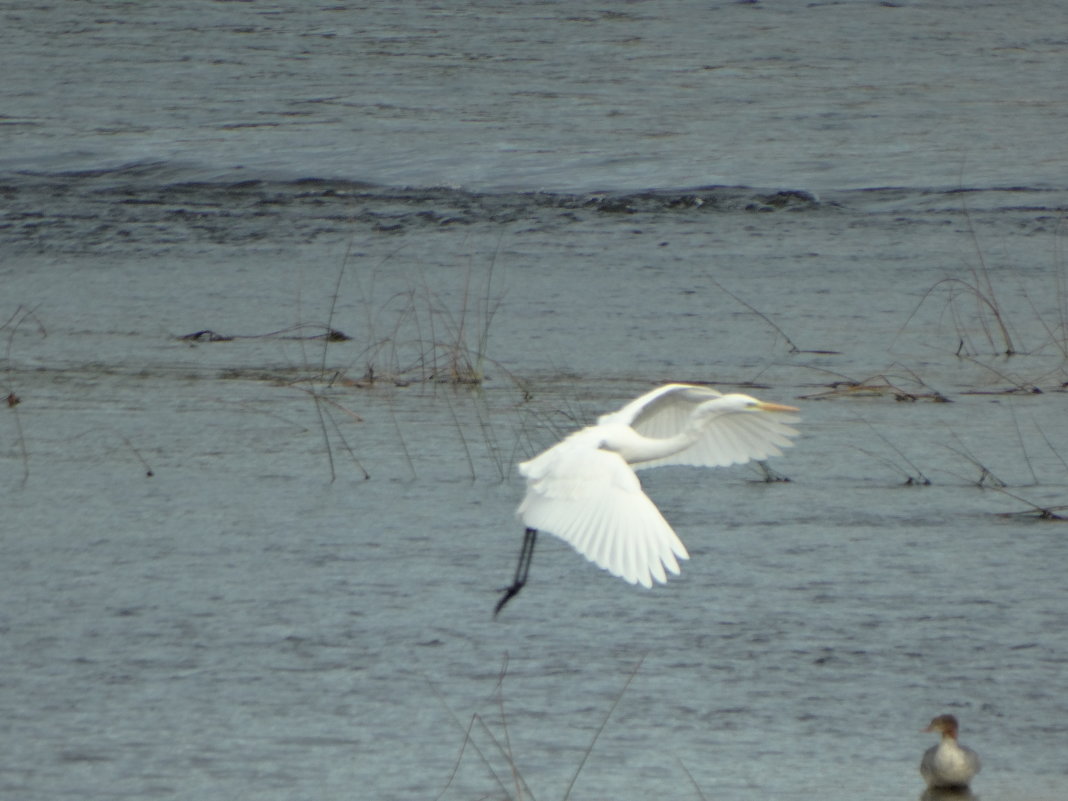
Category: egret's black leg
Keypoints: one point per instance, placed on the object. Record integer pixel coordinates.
(526, 553)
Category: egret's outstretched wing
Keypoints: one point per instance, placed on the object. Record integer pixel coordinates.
(663, 411)
(730, 438)
(726, 439)
(591, 499)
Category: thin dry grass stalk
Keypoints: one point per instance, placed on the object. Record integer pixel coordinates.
(23, 316)
(778, 330)
(1056, 514)
(417, 335)
(988, 480)
(977, 313)
(915, 478)
(503, 746)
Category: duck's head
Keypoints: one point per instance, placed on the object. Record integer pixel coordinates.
(944, 725)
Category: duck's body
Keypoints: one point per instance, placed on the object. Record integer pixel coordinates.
(948, 764)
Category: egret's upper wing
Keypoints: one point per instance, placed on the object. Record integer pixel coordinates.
(733, 438)
(665, 409)
(591, 499)
(730, 438)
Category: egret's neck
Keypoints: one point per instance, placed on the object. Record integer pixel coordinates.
(635, 448)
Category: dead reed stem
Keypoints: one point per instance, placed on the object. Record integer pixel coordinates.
(503, 744)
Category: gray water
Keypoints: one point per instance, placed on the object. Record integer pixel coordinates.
(264, 566)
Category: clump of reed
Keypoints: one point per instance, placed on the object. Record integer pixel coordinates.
(416, 335)
(981, 322)
(426, 334)
(987, 479)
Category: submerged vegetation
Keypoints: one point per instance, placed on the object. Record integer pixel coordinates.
(416, 335)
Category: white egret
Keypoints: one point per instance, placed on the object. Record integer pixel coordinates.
(948, 764)
(583, 489)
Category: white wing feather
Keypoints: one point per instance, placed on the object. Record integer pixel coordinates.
(665, 408)
(731, 439)
(591, 499)
(727, 439)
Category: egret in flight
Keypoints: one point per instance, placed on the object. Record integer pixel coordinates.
(584, 490)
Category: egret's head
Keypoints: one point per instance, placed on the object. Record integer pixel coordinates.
(739, 402)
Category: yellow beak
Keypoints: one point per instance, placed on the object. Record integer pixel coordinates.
(776, 407)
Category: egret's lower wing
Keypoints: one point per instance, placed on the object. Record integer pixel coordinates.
(591, 499)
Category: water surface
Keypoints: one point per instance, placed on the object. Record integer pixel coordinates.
(522, 216)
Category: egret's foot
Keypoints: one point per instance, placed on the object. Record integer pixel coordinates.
(526, 553)
(509, 594)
